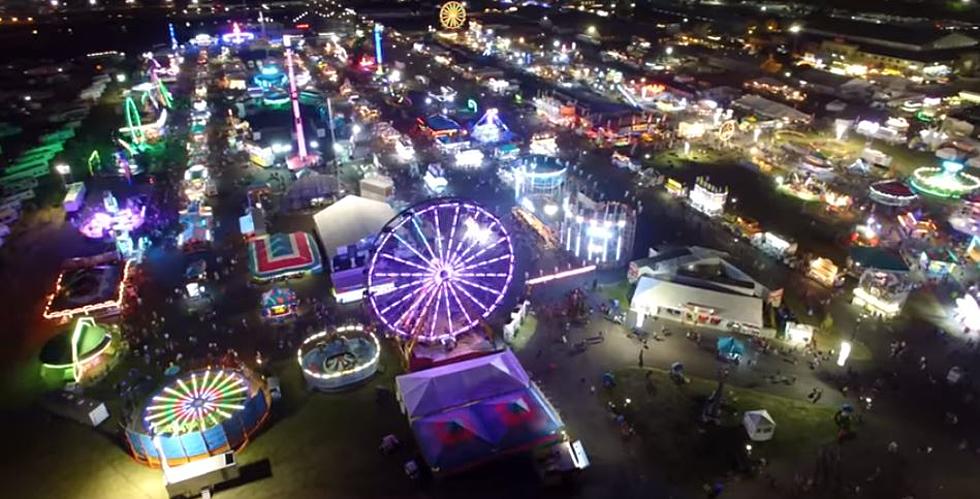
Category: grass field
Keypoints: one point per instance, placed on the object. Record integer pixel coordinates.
(662, 413)
(314, 445)
(525, 332)
(621, 290)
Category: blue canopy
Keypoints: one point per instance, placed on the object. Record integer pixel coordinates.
(728, 345)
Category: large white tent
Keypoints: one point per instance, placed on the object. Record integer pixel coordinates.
(350, 220)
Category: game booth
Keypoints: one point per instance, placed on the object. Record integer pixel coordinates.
(195, 227)
(439, 125)
(759, 425)
(279, 304)
(339, 357)
(283, 256)
(824, 271)
(197, 415)
(882, 293)
(730, 349)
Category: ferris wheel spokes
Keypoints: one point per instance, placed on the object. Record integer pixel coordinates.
(428, 257)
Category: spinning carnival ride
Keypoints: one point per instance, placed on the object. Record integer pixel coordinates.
(490, 128)
(440, 268)
(339, 357)
(948, 181)
(199, 414)
(154, 99)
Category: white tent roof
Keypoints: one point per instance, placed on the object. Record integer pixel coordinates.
(759, 424)
(454, 385)
(652, 292)
(759, 418)
(769, 108)
(381, 182)
(349, 220)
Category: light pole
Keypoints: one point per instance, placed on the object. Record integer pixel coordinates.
(64, 170)
(795, 29)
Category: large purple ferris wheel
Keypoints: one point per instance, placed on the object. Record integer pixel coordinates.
(439, 268)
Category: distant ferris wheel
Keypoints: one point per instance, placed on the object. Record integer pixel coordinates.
(452, 15)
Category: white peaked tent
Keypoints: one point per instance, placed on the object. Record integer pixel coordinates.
(349, 220)
(759, 425)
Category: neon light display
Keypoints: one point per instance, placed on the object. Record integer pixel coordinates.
(378, 56)
(561, 275)
(197, 402)
(447, 264)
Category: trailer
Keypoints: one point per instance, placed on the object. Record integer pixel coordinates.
(75, 197)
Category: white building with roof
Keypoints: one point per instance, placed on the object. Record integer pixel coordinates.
(696, 286)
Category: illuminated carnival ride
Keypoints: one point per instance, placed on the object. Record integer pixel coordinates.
(110, 219)
(339, 357)
(80, 353)
(197, 415)
(891, 193)
(948, 180)
(490, 129)
(440, 268)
